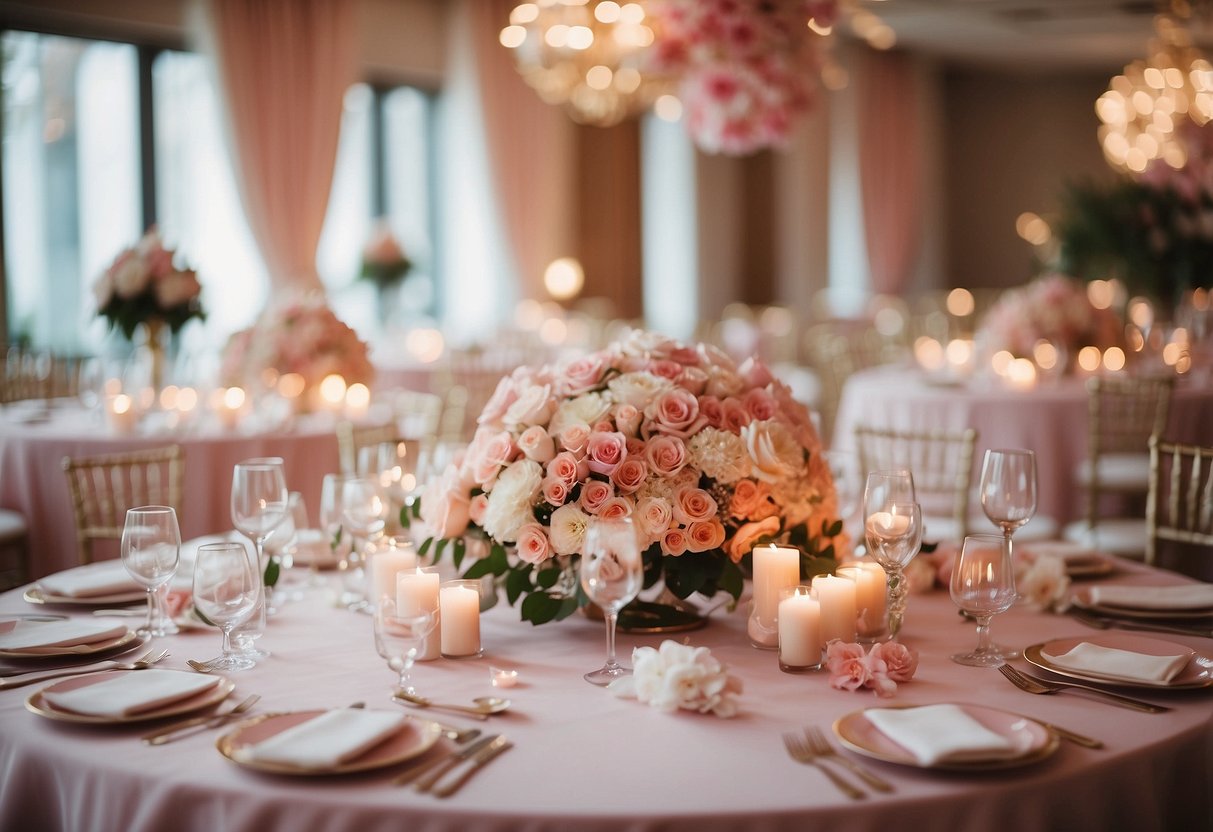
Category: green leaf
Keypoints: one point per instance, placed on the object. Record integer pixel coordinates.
(336, 539)
(460, 549)
(518, 581)
(425, 547)
(567, 607)
(540, 608)
(685, 576)
(405, 520)
(547, 578)
(479, 569)
(731, 579)
(272, 570)
(811, 566)
(833, 530)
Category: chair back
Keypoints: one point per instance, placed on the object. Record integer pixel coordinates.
(352, 438)
(102, 488)
(1122, 415)
(418, 415)
(1179, 504)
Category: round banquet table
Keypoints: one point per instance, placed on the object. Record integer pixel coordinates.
(1050, 419)
(586, 759)
(32, 479)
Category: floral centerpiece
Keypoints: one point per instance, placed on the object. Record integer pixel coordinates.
(383, 260)
(143, 286)
(747, 67)
(709, 458)
(299, 335)
(1053, 308)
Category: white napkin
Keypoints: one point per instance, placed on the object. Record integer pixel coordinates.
(1181, 597)
(37, 636)
(104, 578)
(1112, 663)
(131, 693)
(940, 733)
(327, 740)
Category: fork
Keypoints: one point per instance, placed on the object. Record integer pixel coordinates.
(799, 751)
(1101, 623)
(141, 664)
(1033, 684)
(820, 746)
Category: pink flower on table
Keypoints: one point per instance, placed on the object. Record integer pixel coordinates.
(705, 535)
(692, 505)
(630, 475)
(593, 494)
(537, 445)
(605, 450)
(533, 543)
(616, 508)
(848, 666)
(674, 542)
(749, 534)
(900, 661)
(666, 455)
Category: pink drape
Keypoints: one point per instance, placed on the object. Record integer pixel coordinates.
(531, 153)
(284, 67)
(890, 174)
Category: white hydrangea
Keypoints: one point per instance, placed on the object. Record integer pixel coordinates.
(512, 499)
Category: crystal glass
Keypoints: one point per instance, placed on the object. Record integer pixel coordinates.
(983, 585)
(399, 638)
(364, 518)
(611, 574)
(395, 466)
(225, 591)
(893, 531)
(151, 551)
(259, 505)
(1008, 489)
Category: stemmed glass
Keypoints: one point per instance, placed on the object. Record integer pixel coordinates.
(893, 531)
(611, 574)
(225, 591)
(983, 585)
(259, 505)
(364, 514)
(1008, 489)
(399, 638)
(395, 465)
(151, 550)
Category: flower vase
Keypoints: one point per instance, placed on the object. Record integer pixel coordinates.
(389, 302)
(152, 352)
(665, 613)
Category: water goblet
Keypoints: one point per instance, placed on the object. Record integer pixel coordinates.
(611, 574)
(395, 465)
(1008, 489)
(151, 551)
(399, 638)
(893, 531)
(364, 516)
(259, 505)
(225, 591)
(983, 585)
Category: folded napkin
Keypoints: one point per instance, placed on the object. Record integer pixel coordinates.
(105, 578)
(1181, 597)
(1112, 663)
(52, 636)
(326, 741)
(131, 693)
(940, 733)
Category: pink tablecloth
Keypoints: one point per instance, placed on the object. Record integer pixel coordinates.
(1050, 419)
(32, 479)
(585, 759)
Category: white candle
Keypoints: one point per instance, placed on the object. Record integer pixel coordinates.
(887, 525)
(502, 678)
(837, 598)
(417, 592)
(800, 641)
(391, 557)
(775, 567)
(121, 414)
(460, 605)
(871, 591)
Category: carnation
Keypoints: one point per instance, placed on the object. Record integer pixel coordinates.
(720, 454)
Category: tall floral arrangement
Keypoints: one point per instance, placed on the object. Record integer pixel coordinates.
(298, 335)
(383, 259)
(143, 286)
(747, 67)
(1053, 308)
(707, 457)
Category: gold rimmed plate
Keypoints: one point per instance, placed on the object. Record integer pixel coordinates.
(414, 738)
(1030, 740)
(1082, 599)
(37, 595)
(38, 704)
(35, 653)
(1197, 674)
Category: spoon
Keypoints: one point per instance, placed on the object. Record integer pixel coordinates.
(483, 705)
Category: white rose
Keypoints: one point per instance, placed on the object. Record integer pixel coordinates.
(1044, 584)
(532, 407)
(646, 344)
(638, 389)
(512, 499)
(583, 410)
(567, 529)
(773, 450)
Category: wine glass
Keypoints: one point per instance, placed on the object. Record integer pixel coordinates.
(259, 505)
(225, 591)
(399, 638)
(363, 515)
(151, 551)
(611, 573)
(1008, 489)
(983, 585)
(395, 464)
(893, 531)
(331, 520)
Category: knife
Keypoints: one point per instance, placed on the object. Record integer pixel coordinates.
(479, 761)
(440, 765)
(164, 735)
(1067, 734)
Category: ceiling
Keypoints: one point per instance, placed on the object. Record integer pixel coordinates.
(1028, 35)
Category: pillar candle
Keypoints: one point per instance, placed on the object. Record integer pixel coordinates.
(775, 567)
(800, 641)
(417, 592)
(837, 597)
(871, 591)
(391, 557)
(460, 605)
(121, 414)
(885, 524)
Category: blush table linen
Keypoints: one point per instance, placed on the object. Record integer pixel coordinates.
(585, 759)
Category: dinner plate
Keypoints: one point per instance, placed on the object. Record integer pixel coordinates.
(39, 705)
(36, 595)
(74, 650)
(1082, 598)
(412, 740)
(1198, 673)
(1031, 740)
(1080, 561)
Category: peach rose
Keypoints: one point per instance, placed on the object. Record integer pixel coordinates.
(693, 504)
(693, 380)
(848, 666)
(745, 537)
(705, 535)
(574, 438)
(533, 543)
(666, 455)
(477, 507)
(735, 416)
(627, 419)
(537, 445)
(748, 495)
(653, 516)
(582, 375)
(593, 494)
(674, 411)
(711, 409)
(565, 467)
(616, 508)
(900, 661)
(674, 542)
(630, 475)
(555, 491)
(605, 450)
(760, 404)
(665, 369)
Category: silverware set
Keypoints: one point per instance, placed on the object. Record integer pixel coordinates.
(147, 660)
(1044, 687)
(194, 725)
(1103, 622)
(427, 775)
(812, 748)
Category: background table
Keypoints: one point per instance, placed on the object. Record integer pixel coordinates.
(585, 759)
(32, 479)
(1050, 419)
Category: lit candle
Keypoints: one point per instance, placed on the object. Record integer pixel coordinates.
(357, 401)
(460, 605)
(417, 592)
(837, 598)
(800, 641)
(228, 406)
(121, 414)
(775, 567)
(502, 678)
(885, 524)
(391, 556)
(871, 590)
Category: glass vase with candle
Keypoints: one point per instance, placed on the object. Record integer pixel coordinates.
(775, 568)
(459, 604)
(800, 634)
(893, 530)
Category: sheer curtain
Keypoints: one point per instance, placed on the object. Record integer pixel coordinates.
(284, 67)
(890, 172)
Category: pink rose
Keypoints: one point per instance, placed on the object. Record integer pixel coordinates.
(582, 375)
(760, 404)
(594, 493)
(748, 497)
(616, 508)
(674, 411)
(555, 491)
(848, 666)
(705, 535)
(537, 445)
(487, 459)
(755, 373)
(666, 455)
(566, 467)
(627, 419)
(635, 447)
(693, 380)
(900, 661)
(445, 507)
(688, 356)
(653, 516)
(674, 542)
(692, 505)
(736, 416)
(533, 543)
(605, 450)
(574, 438)
(711, 409)
(603, 425)
(477, 507)
(665, 369)
(630, 475)
(745, 537)
(504, 396)
(533, 406)
(177, 288)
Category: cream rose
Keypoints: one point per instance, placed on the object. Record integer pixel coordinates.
(537, 444)
(533, 406)
(583, 410)
(773, 450)
(637, 389)
(653, 516)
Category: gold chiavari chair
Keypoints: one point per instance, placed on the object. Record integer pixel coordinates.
(1179, 503)
(352, 438)
(418, 415)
